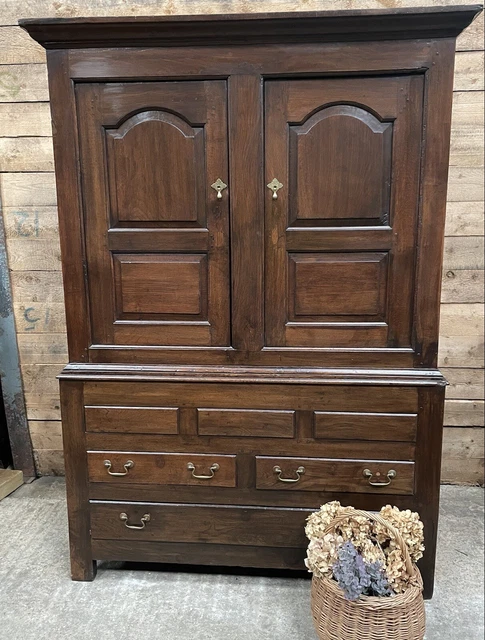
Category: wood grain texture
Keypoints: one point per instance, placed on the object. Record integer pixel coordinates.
(463, 456)
(462, 413)
(132, 420)
(464, 384)
(23, 83)
(240, 422)
(17, 47)
(83, 567)
(163, 468)
(25, 119)
(464, 219)
(193, 523)
(28, 189)
(463, 285)
(349, 425)
(346, 476)
(26, 154)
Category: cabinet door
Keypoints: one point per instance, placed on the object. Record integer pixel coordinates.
(341, 231)
(156, 233)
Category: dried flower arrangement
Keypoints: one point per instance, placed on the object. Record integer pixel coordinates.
(360, 554)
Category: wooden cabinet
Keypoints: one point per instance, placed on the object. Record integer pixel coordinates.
(251, 212)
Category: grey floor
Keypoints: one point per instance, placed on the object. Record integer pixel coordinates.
(39, 602)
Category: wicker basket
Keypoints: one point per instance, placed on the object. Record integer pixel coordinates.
(398, 617)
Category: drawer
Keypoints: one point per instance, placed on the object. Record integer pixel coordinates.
(246, 422)
(347, 476)
(162, 468)
(350, 425)
(255, 526)
(114, 419)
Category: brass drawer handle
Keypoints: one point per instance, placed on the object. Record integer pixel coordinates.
(138, 527)
(129, 464)
(299, 472)
(367, 473)
(215, 467)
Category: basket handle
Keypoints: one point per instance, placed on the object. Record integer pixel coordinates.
(352, 513)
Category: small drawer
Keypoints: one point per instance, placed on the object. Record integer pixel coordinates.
(348, 425)
(162, 468)
(111, 419)
(255, 526)
(246, 422)
(321, 474)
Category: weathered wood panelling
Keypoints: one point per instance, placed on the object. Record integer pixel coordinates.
(27, 189)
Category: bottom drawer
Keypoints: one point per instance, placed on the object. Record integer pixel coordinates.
(252, 526)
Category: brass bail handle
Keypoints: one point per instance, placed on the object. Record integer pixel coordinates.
(129, 464)
(367, 473)
(215, 467)
(219, 186)
(143, 521)
(275, 185)
(299, 472)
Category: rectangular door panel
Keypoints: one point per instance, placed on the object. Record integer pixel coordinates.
(342, 169)
(156, 233)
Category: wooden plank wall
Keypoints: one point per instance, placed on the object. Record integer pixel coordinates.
(29, 207)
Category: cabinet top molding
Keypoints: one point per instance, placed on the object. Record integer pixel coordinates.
(256, 28)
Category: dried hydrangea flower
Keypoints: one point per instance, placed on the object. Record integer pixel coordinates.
(322, 554)
(372, 552)
(319, 521)
(409, 526)
(396, 571)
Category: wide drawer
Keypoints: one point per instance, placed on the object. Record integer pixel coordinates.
(162, 468)
(347, 476)
(254, 526)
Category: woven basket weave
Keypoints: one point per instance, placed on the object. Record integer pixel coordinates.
(398, 617)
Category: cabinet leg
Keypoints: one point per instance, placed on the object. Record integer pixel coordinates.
(83, 571)
(427, 568)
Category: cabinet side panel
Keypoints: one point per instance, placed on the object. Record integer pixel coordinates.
(66, 156)
(434, 177)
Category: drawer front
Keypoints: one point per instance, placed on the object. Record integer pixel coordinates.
(347, 425)
(245, 422)
(162, 468)
(254, 526)
(113, 419)
(348, 476)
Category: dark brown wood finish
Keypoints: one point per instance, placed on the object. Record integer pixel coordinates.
(162, 468)
(220, 345)
(83, 564)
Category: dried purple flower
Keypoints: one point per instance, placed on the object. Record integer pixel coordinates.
(379, 583)
(356, 577)
(350, 572)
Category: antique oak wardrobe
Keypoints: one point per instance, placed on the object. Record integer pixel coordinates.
(251, 214)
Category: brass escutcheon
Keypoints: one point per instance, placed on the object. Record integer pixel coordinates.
(219, 186)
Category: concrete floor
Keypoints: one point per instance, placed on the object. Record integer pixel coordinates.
(39, 602)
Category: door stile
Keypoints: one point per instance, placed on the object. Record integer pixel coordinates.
(246, 207)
